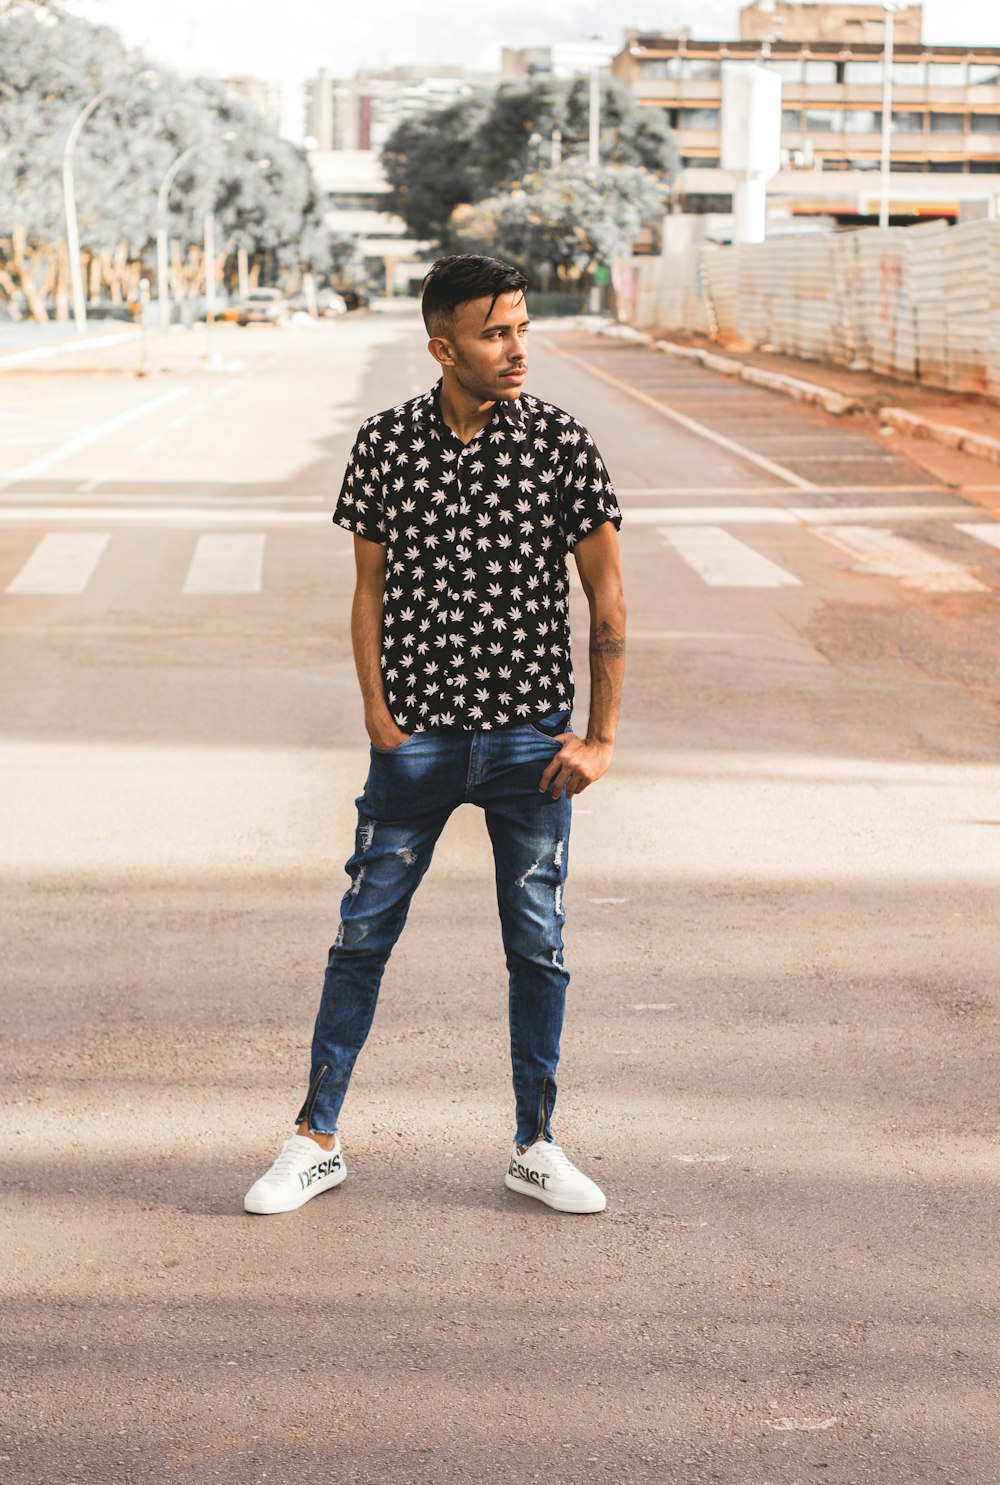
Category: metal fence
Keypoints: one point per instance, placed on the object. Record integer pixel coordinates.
(918, 302)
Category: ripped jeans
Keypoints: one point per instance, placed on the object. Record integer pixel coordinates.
(409, 794)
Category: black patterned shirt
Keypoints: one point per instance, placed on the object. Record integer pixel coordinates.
(475, 619)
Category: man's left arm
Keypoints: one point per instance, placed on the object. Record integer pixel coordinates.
(582, 760)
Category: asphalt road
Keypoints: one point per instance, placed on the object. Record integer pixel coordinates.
(780, 1058)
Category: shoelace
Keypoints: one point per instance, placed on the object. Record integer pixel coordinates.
(557, 1155)
(289, 1159)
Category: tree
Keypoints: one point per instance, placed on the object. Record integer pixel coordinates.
(259, 186)
(431, 164)
(467, 152)
(564, 220)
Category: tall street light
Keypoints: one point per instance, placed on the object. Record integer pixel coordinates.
(890, 7)
(594, 147)
(162, 195)
(69, 198)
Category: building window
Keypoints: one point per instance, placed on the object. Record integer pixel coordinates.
(947, 123)
(821, 72)
(678, 69)
(946, 167)
(984, 167)
(787, 71)
(946, 74)
(985, 123)
(791, 119)
(660, 69)
(984, 72)
(908, 74)
(823, 120)
(863, 72)
(698, 118)
(861, 121)
(700, 162)
(907, 123)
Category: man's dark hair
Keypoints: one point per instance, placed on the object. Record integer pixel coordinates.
(456, 280)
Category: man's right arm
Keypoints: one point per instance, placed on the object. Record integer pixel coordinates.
(366, 638)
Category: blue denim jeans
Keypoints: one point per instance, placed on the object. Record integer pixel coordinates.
(409, 794)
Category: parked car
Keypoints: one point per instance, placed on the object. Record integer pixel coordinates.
(355, 298)
(262, 307)
(328, 303)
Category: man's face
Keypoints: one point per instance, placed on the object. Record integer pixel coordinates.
(488, 347)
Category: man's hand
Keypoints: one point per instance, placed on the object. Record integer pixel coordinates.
(385, 735)
(579, 762)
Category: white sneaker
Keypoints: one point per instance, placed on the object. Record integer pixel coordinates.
(546, 1172)
(302, 1170)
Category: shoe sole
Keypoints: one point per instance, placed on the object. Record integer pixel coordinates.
(261, 1209)
(565, 1205)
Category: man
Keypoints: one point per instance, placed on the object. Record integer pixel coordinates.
(464, 503)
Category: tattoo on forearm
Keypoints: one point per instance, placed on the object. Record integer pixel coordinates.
(607, 641)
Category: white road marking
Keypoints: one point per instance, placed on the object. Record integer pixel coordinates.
(67, 348)
(62, 562)
(689, 423)
(703, 1159)
(723, 562)
(226, 564)
(792, 515)
(987, 531)
(222, 502)
(886, 555)
(705, 491)
(164, 515)
(35, 467)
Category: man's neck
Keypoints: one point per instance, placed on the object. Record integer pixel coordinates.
(464, 415)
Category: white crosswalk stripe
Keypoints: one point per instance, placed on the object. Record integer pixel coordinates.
(62, 563)
(987, 531)
(226, 564)
(884, 554)
(724, 562)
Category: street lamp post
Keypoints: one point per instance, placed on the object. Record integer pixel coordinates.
(890, 7)
(594, 132)
(69, 197)
(162, 195)
(594, 151)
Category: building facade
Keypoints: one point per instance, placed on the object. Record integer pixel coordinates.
(945, 141)
(361, 112)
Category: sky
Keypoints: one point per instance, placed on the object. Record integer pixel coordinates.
(224, 37)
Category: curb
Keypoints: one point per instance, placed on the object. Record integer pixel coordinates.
(836, 403)
(67, 348)
(947, 434)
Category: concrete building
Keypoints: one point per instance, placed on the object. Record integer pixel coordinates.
(264, 96)
(356, 185)
(361, 112)
(565, 59)
(945, 111)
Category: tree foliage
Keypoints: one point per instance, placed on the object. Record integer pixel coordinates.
(480, 147)
(53, 64)
(563, 220)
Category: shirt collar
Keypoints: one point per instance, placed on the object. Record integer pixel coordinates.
(505, 409)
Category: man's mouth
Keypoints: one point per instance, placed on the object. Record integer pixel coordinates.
(516, 373)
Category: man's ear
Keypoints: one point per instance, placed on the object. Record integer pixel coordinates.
(441, 350)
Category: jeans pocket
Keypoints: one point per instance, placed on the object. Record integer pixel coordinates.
(551, 725)
(388, 752)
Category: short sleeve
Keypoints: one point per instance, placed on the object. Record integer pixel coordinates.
(359, 506)
(588, 495)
